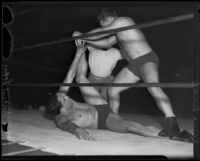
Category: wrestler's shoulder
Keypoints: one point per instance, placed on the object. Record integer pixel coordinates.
(125, 20)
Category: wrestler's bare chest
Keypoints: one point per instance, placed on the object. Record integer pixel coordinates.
(85, 118)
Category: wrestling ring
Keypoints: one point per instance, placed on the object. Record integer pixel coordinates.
(29, 133)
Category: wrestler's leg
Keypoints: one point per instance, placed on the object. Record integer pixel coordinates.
(149, 74)
(117, 123)
(90, 94)
(124, 76)
(104, 90)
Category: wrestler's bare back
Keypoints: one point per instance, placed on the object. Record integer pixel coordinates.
(83, 115)
(133, 41)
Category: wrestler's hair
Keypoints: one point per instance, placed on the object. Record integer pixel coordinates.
(53, 107)
(106, 12)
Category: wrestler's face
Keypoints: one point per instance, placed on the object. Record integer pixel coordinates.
(106, 21)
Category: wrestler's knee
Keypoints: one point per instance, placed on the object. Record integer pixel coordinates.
(112, 92)
(148, 78)
(80, 77)
(149, 75)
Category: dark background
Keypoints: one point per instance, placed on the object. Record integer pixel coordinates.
(42, 22)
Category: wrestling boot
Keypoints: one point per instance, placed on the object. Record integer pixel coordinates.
(170, 127)
(171, 130)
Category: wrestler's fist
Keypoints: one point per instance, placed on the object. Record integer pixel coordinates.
(78, 42)
(84, 135)
(60, 97)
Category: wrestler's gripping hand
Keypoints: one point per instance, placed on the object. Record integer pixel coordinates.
(78, 42)
(60, 97)
(82, 134)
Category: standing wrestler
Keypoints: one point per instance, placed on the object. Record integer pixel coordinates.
(143, 64)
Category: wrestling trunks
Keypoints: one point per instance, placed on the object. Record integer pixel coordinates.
(103, 112)
(135, 64)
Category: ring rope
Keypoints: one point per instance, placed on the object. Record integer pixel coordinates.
(112, 31)
(136, 85)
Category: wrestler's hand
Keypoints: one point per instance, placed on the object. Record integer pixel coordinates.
(60, 97)
(78, 42)
(84, 135)
(65, 101)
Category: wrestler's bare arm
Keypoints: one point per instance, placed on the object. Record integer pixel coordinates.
(95, 37)
(65, 124)
(72, 71)
(109, 27)
(103, 43)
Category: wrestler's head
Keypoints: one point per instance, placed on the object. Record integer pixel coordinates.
(55, 106)
(106, 17)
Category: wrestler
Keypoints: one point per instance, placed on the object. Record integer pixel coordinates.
(103, 65)
(143, 64)
(75, 117)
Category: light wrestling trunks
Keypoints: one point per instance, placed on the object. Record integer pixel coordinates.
(103, 112)
(135, 64)
(94, 79)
